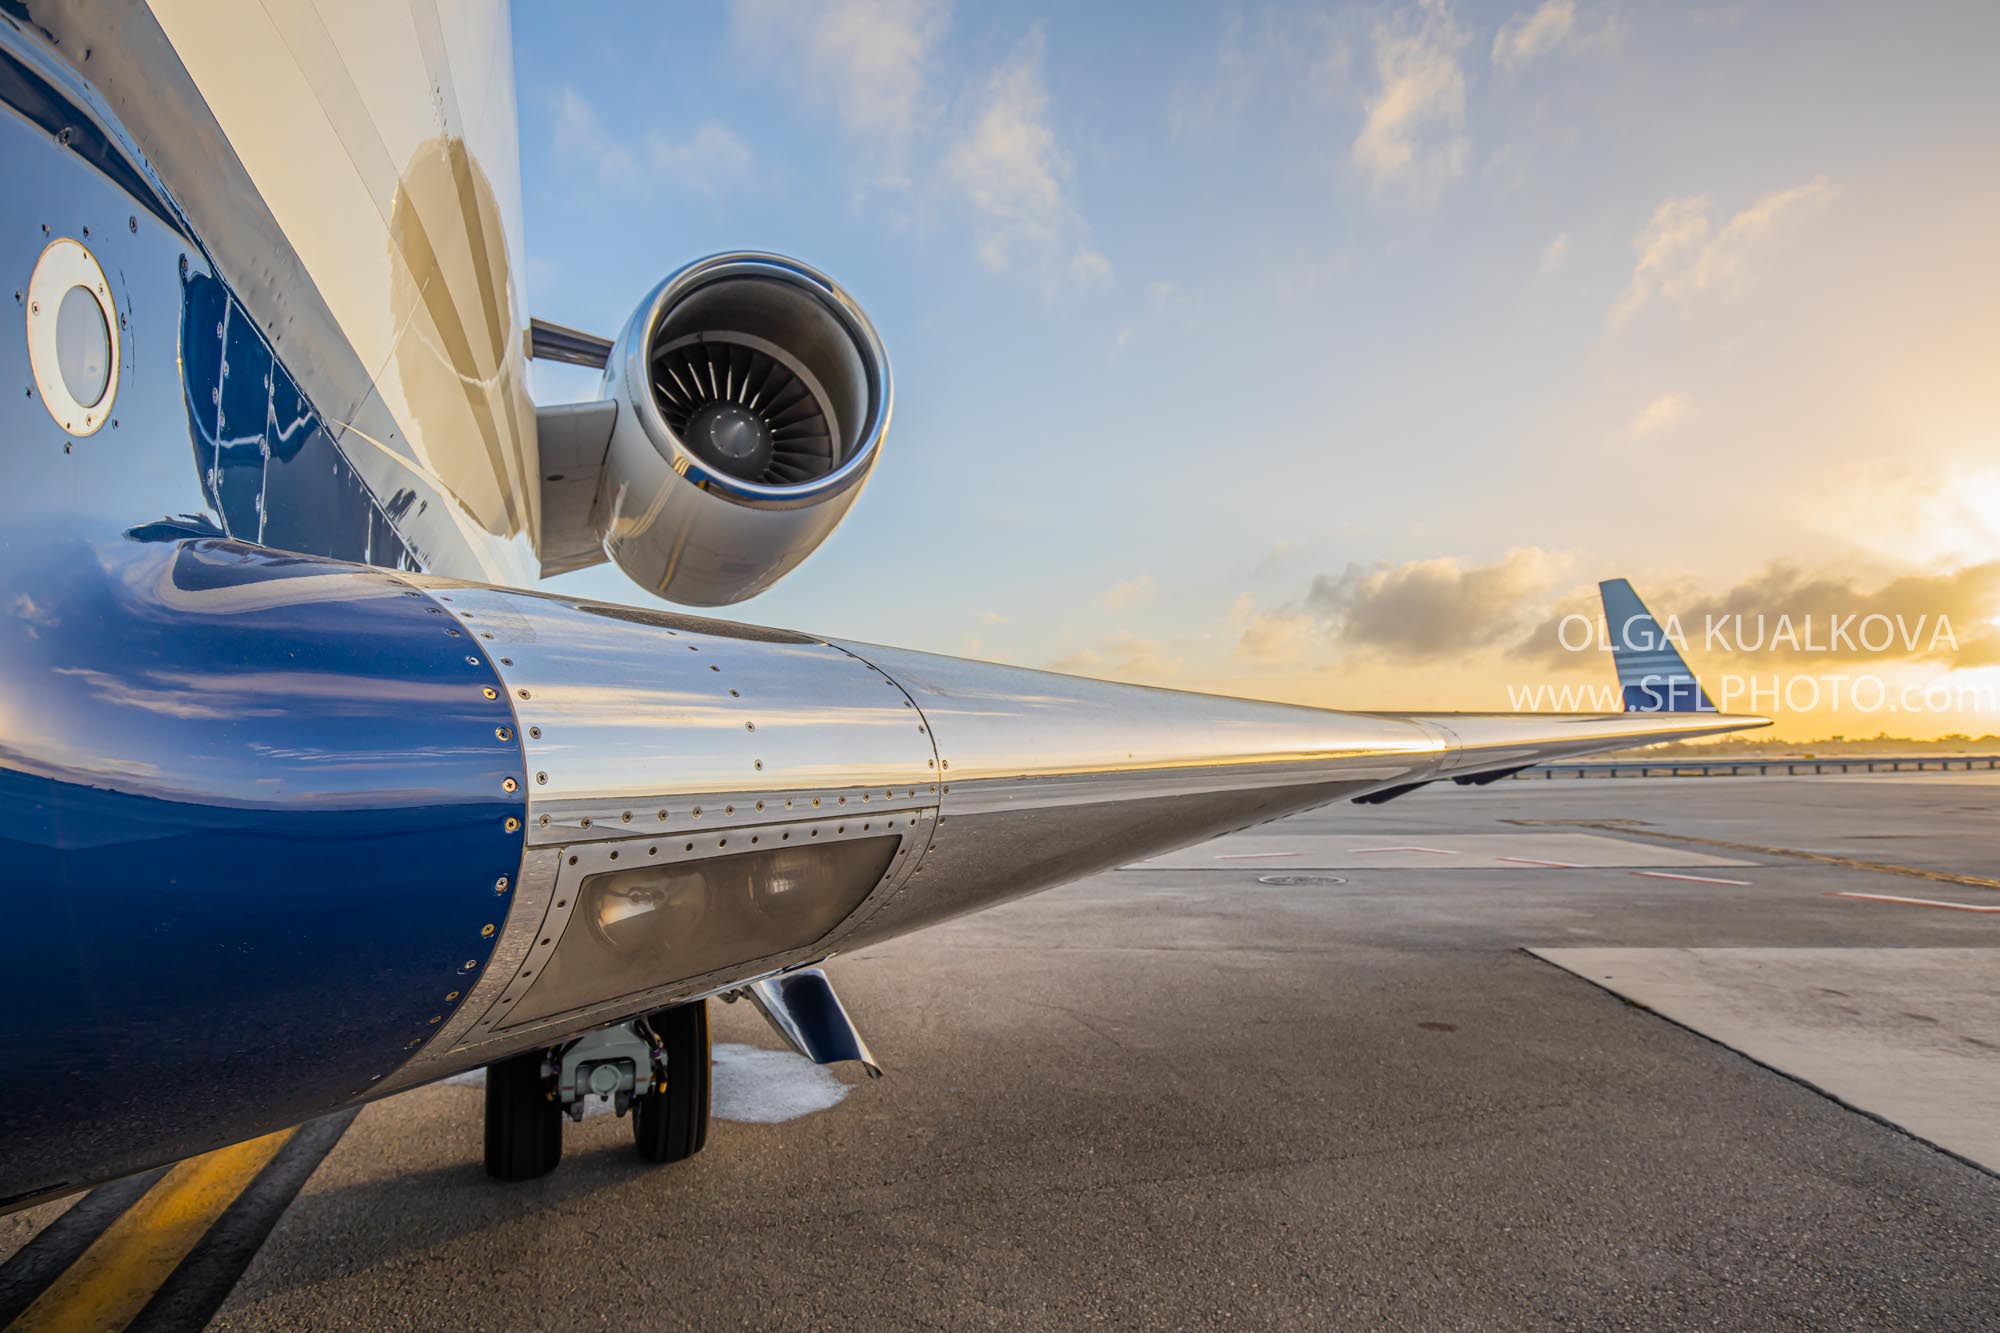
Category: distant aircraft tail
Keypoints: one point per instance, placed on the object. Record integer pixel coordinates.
(1651, 674)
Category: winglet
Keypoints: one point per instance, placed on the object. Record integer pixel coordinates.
(1651, 674)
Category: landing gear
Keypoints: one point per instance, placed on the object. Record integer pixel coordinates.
(523, 1121)
(670, 1116)
(656, 1067)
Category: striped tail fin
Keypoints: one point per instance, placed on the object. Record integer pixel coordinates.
(1651, 675)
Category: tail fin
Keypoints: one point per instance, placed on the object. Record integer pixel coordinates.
(1651, 674)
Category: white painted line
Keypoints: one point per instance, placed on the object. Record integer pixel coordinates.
(1692, 879)
(1256, 856)
(1531, 861)
(1921, 902)
(1428, 851)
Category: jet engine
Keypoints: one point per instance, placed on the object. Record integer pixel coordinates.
(752, 395)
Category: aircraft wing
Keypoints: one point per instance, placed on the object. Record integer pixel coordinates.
(1493, 745)
(1662, 702)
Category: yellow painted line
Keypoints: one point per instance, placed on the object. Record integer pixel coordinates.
(112, 1281)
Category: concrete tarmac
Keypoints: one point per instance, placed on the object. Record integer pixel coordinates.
(1254, 1090)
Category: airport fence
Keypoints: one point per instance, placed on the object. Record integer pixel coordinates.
(1790, 766)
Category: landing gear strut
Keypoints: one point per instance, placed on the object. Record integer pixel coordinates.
(657, 1067)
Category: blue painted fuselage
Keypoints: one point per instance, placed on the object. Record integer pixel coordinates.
(259, 802)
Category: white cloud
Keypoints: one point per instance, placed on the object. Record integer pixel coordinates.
(1945, 616)
(877, 65)
(1433, 608)
(1123, 656)
(1554, 253)
(1681, 255)
(989, 617)
(711, 159)
(870, 60)
(1011, 171)
(1417, 610)
(1284, 51)
(1276, 635)
(1662, 412)
(582, 142)
(1412, 140)
(1089, 267)
(1128, 592)
(1525, 36)
(1552, 28)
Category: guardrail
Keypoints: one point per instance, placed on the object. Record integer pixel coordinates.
(1733, 768)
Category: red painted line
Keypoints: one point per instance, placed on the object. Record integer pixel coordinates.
(1531, 861)
(1428, 851)
(1692, 879)
(1919, 902)
(1255, 856)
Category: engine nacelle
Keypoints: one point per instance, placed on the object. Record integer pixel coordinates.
(753, 396)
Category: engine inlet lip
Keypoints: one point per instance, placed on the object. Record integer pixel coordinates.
(845, 311)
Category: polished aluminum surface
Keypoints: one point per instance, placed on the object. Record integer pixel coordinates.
(652, 736)
(643, 722)
(814, 312)
(1045, 778)
(801, 1007)
(1009, 735)
(649, 734)
(1492, 742)
(574, 438)
(549, 341)
(693, 533)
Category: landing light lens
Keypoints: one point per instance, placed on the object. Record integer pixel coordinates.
(644, 927)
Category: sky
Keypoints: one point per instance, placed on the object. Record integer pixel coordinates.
(1333, 352)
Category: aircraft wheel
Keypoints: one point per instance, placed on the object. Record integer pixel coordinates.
(670, 1121)
(523, 1123)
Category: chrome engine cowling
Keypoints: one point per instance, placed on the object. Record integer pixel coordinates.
(753, 396)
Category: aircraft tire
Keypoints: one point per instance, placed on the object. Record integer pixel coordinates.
(671, 1124)
(524, 1129)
